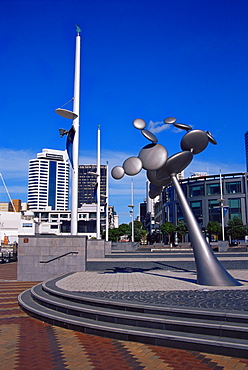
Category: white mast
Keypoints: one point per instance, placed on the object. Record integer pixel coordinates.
(98, 224)
(107, 203)
(75, 153)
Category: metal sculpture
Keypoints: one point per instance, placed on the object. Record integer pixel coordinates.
(162, 170)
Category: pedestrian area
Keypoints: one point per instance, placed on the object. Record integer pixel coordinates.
(27, 343)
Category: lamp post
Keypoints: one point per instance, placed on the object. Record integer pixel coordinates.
(221, 200)
(132, 211)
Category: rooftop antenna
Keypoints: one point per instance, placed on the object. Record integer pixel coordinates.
(7, 192)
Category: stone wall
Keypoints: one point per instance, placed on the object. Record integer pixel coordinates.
(98, 248)
(32, 250)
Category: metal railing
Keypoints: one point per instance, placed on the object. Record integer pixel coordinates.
(58, 257)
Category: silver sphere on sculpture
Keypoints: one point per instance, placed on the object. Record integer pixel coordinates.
(175, 164)
(149, 135)
(154, 190)
(169, 120)
(139, 123)
(152, 177)
(182, 126)
(211, 138)
(195, 140)
(117, 172)
(132, 166)
(153, 156)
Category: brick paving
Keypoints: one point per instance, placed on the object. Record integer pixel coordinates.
(27, 343)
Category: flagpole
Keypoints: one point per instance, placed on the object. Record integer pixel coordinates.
(75, 150)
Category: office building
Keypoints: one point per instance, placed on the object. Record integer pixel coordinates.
(48, 181)
(87, 183)
(246, 149)
(204, 196)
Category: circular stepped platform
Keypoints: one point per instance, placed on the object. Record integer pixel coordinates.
(214, 331)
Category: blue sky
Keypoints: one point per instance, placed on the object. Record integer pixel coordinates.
(139, 59)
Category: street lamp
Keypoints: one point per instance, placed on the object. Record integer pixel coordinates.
(132, 211)
(222, 208)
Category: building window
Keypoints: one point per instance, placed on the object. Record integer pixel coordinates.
(196, 190)
(233, 187)
(83, 216)
(170, 194)
(54, 226)
(170, 213)
(214, 210)
(234, 208)
(179, 213)
(213, 189)
(197, 210)
(64, 215)
(52, 185)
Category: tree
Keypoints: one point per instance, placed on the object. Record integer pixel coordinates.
(114, 234)
(124, 229)
(168, 228)
(139, 230)
(182, 229)
(214, 227)
(236, 228)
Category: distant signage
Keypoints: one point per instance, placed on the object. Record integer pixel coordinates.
(54, 156)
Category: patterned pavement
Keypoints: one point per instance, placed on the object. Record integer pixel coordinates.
(27, 343)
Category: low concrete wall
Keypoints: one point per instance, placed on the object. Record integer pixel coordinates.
(34, 249)
(125, 246)
(98, 248)
(223, 245)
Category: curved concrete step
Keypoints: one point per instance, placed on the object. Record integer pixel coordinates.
(141, 319)
(187, 328)
(207, 343)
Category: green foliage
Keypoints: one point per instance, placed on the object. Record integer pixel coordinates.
(182, 229)
(236, 228)
(168, 228)
(214, 227)
(114, 234)
(125, 229)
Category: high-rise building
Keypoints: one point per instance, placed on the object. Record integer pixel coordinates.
(87, 183)
(48, 180)
(246, 149)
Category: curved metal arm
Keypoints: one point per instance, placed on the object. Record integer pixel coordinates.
(209, 270)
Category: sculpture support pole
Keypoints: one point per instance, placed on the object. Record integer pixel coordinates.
(209, 270)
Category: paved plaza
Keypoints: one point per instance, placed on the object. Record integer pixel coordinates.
(27, 343)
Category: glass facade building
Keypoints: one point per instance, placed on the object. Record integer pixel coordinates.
(87, 183)
(204, 197)
(48, 181)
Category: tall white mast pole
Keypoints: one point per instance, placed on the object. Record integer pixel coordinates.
(75, 152)
(107, 203)
(98, 224)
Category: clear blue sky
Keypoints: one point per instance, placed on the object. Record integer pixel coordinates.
(145, 59)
